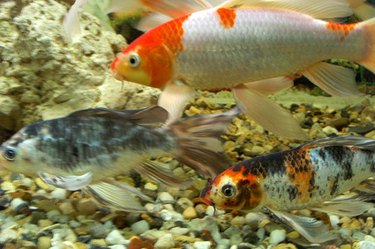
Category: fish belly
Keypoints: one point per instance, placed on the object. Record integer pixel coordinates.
(261, 44)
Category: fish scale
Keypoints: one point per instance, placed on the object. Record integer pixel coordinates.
(261, 44)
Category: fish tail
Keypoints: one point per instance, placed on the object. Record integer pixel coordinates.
(198, 141)
(369, 59)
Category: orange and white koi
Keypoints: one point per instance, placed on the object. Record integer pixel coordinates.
(255, 47)
(309, 176)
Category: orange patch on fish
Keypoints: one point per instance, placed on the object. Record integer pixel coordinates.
(342, 30)
(227, 17)
(300, 172)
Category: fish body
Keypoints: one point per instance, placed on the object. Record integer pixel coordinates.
(91, 145)
(303, 177)
(255, 47)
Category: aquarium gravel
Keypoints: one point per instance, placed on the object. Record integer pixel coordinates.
(36, 215)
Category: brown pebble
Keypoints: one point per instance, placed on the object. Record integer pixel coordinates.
(80, 245)
(44, 242)
(189, 213)
(137, 243)
(10, 246)
(86, 206)
(44, 223)
(285, 246)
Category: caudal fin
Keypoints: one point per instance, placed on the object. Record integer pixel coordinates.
(368, 60)
(199, 144)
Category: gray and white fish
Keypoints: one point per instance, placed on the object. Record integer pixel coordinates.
(87, 147)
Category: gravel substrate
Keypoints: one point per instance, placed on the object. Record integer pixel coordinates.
(36, 215)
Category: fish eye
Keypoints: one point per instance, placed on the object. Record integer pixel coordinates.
(228, 190)
(134, 60)
(9, 154)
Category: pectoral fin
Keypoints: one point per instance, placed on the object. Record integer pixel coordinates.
(162, 173)
(174, 98)
(71, 183)
(335, 80)
(313, 230)
(267, 113)
(117, 195)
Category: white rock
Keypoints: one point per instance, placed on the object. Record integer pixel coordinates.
(335, 220)
(59, 193)
(223, 244)
(115, 238)
(153, 234)
(179, 230)
(202, 244)
(165, 242)
(330, 130)
(277, 236)
(165, 197)
(118, 247)
(366, 245)
(16, 203)
(151, 186)
(170, 215)
(140, 227)
(8, 235)
(27, 182)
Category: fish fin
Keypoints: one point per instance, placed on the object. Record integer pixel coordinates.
(71, 24)
(117, 196)
(149, 115)
(365, 191)
(368, 60)
(349, 206)
(198, 141)
(174, 98)
(267, 113)
(270, 86)
(71, 182)
(364, 11)
(162, 173)
(321, 9)
(151, 21)
(343, 141)
(335, 80)
(312, 229)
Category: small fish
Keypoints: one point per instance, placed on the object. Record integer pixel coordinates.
(310, 176)
(85, 148)
(254, 47)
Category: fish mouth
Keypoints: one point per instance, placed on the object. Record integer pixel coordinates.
(204, 196)
(114, 69)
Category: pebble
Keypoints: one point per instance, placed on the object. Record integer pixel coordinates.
(165, 242)
(293, 235)
(165, 197)
(252, 219)
(179, 231)
(189, 213)
(115, 238)
(86, 206)
(7, 235)
(18, 204)
(117, 247)
(44, 223)
(346, 246)
(330, 130)
(202, 244)
(366, 245)
(44, 242)
(66, 207)
(277, 236)
(167, 215)
(140, 227)
(184, 203)
(238, 221)
(59, 194)
(334, 219)
(151, 186)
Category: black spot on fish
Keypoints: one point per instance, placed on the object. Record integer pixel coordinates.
(347, 172)
(334, 186)
(322, 154)
(292, 192)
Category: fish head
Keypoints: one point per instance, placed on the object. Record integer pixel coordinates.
(146, 61)
(18, 154)
(233, 190)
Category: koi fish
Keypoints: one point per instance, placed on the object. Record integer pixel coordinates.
(254, 47)
(85, 148)
(310, 176)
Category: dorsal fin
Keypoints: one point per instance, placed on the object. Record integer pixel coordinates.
(321, 9)
(149, 115)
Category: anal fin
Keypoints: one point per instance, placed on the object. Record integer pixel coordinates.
(71, 182)
(270, 86)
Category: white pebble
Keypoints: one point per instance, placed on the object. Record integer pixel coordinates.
(202, 244)
(165, 197)
(27, 182)
(140, 227)
(369, 238)
(59, 194)
(252, 219)
(165, 242)
(223, 244)
(8, 235)
(329, 130)
(210, 211)
(117, 247)
(179, 230)
(151, 186)
(334, 219)
(366, 245)
(115, 238)
(277, 236)
(170, 215)
(16, 203)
